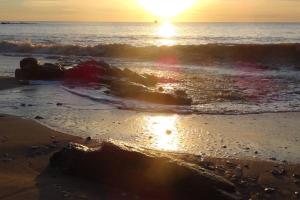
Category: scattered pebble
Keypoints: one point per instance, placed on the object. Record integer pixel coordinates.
(55, 142)
(59, 104)
(224, 146)
(230, 164)
(269, 190)
(296, 176)
(273, 158)
(256, 152)
(38, 117)
(23, 104)
(88, 139)
(296, 194)
(277, 172)
(34, 147)
(168, 132)
(284, 161)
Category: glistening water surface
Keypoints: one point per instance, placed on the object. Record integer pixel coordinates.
(211, 135)
(228, 78)
(145, 34)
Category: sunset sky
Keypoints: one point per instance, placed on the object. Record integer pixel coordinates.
(133, 11)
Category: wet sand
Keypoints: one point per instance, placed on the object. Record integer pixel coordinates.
(26, 147)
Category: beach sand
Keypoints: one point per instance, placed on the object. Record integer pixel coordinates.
(26, 147)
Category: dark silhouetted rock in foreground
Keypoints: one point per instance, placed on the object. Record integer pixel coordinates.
(139, 92)
(29, 64)
(101, 72)
(30, 69)
(143, 173)
(121, 82)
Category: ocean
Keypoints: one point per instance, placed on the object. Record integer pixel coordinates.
(148, 34)
(228, 69)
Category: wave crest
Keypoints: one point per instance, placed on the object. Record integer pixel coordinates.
(270, 53)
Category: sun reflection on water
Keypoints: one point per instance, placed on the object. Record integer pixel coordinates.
(166, 31)
(165, 132)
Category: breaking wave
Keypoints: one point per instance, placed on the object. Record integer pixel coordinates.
(266, 53)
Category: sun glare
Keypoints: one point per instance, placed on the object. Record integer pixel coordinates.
(166, 8)
(164, 131)
(167, 30)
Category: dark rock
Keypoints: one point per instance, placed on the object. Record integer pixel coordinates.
(55, 142)
(141, 172)
(269, 190)
(296, 176)
(230, 164)
(284, 161)
(30, 69)
(52, 72)
(19, 75)
(29, 64)
(34, 147)
(122, 83)
(38, 117)
(278, 172)
(59, 104)
(88, 139)
(161, 89)
(273, 158)
(139, 92)
(86, 72)
(140, 79)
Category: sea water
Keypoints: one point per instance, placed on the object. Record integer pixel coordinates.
(217, 88)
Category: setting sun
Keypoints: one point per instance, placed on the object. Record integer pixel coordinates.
(166, 8)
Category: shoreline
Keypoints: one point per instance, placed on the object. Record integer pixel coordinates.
(224, 136)
(23, 169)
(8, 82)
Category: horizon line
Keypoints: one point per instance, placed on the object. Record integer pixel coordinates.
(154, 21)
